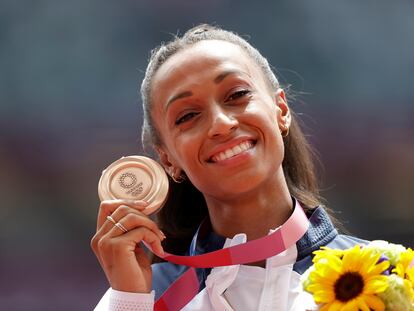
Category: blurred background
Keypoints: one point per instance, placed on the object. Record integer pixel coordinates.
(69, 105)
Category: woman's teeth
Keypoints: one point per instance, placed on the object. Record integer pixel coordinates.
(231, 152)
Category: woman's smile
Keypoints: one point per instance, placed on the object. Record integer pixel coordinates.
(228, 151)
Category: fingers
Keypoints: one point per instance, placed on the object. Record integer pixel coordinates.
(109, 206)
(114, 245)
(117, 211)
(126, 265)
(121, 227)
(130, 221)
(121, 219)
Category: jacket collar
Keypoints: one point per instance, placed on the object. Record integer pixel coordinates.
(320, 232)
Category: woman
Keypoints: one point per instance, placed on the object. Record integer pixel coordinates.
(221, 126)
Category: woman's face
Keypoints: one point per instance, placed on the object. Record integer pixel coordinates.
(217, 119)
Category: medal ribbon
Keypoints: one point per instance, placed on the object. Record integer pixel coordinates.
(187, 285)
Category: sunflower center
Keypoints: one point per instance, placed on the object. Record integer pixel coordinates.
(348, 286)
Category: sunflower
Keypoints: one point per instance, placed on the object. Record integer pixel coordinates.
(405, 267)
(405, 270)
(348, 280)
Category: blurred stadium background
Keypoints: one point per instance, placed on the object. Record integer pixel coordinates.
(69, 106)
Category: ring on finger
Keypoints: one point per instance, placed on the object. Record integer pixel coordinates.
(111, 219)
(121, 227)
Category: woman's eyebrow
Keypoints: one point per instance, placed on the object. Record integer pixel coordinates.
(178, 96)
(225, 74)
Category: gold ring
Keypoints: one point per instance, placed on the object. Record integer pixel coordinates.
(121, 227)
(111, 219)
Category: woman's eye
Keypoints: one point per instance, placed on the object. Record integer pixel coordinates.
(237, 95)
(186, 117)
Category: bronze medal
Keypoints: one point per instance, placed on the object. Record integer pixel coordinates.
(135, 178)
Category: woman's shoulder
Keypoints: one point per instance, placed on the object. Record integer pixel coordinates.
(339, 241)
(321, 232)
(343, 241)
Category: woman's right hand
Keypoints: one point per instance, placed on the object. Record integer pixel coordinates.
(124, 262)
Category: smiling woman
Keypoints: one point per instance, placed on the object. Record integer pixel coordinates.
(240, 167)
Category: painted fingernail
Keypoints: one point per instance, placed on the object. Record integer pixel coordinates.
(163, 235)
(140, 202)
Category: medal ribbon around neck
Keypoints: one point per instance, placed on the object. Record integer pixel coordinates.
(268, 246)
(186, 287)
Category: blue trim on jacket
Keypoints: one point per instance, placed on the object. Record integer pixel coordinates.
(321, 232)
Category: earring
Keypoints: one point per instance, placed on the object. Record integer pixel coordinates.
(178, 179)
(285, 131)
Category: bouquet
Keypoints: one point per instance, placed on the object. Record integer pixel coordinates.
(376, 276)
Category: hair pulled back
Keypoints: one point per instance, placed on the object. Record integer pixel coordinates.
(186, 207)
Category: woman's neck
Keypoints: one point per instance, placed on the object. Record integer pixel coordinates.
(253, 213)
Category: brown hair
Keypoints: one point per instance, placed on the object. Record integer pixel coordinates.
(186, 207)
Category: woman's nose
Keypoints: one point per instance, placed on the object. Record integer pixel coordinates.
(222, 123)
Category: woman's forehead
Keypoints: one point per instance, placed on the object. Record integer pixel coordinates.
(213, 48)
(204, 59)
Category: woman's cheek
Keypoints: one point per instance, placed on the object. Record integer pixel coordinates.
(256, 106)
(261, 117)
(186, 153)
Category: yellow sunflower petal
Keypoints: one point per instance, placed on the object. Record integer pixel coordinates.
(348, 260)
(350, 306)
(374, 303)
(320, 253)
(410, 275)
(323, 277)
(351, 261)
(407, 257)
(324, 271)
(329, 263)
(376, 284)
(314, 287)
(404, 265)
(324, 274)
(378, 268)
(369, 260)
(326, 251)
(409, 289)
(325, 307)
(335, 306)
(399, 270)
(362, 305)
(323, 296)
(332, 306)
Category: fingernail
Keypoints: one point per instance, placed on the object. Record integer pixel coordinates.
(140, 202)
(163, 235)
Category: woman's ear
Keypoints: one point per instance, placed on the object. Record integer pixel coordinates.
(167, 162)
(164, 158)
(284, 118)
